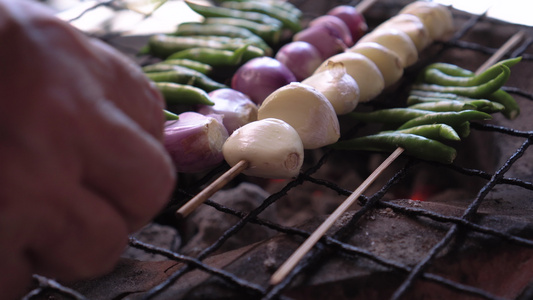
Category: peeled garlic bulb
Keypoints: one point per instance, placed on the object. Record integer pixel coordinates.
(339, 88)
(396, 41)
(272, 148)
(388, 62)
(363, 70)
(307, 110)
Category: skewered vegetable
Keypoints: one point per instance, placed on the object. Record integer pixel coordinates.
(235, 106)
(339, 88)
(388, 62)
(261, 76)
(306, 110)
(363, 70)
(184, 75)
(300, 57)
(352, 18)
(339, 26)
(194, 141)
(327, 39)
(396, 41)
(272, 148)
(175, 93)
(436, 18)
(412, 26)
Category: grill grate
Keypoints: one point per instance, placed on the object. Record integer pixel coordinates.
(457, 226)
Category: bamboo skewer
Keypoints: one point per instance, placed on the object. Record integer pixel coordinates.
(295, 258)
(225, 178)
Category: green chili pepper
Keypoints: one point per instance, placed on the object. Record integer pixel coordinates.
(414, 145)
(437, 95)
(222, 30)
(223, 12)
(480, 91)
(175, 93)
(435, 76)
(165, 67)
(183, 75)
(452, 70)
(453, 119)
(483, 105)
(432, 131)
(270, 34)
(390, 115)
(187, 63)
(283, 5)
(169, 116)
(163, 45)
(288, 20)
(444, 105)
(213, 57)
(511, 109)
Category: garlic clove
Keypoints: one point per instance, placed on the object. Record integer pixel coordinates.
(338, 86)
(272, 148)
(365, 72)
(306, 110)
(395, 40)
(437, 18)
(388, 62)
(412, 26)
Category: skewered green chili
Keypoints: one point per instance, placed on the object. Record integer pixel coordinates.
(436, 76)
(183, 75)
(479, 91)
(288, 20)
(169, 65)
(169, 116)
(453, 119)
(511, 109)
(208, 11)
(219, 31)
(452, 70)
(414, 145)
(444, 105)
(432, 131)
(389, 115)
(214, 57)
(483, 105)
(175, 93)
(270, 34)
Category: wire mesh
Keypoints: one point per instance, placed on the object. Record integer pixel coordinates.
(337, 244)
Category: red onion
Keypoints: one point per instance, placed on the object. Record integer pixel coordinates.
(237, 108)
(326, 38)
(195, 141)
(300, 57)
(260, 76)
(354, 20)
(338, 24)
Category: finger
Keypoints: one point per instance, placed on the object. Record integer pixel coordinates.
(82, 236)
(126, 165)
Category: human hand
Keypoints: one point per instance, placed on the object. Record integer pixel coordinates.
(81, 159)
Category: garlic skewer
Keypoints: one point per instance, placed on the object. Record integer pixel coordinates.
(295, 258)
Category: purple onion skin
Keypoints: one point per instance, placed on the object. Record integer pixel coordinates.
(194, 142)
(352, 18)
(326, 38)
(261, 76)
(300, 57)
(338, 24)
(237, 108)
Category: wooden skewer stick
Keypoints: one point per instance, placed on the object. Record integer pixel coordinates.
(211, 189)
(362, 6)
(216, 185)
(295, 258)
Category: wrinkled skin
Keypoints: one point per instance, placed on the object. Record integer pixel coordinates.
(81, 159)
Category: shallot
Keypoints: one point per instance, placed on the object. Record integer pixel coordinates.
(260, 76)
(194, 141)
(388, 62)
(236, 107)
(352, 18)
(395, 40)
(336, 23)
(300, 57)
(327, 39)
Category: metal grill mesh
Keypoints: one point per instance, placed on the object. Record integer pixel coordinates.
(336, 244)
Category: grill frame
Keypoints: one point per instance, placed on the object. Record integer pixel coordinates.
(459, 225)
